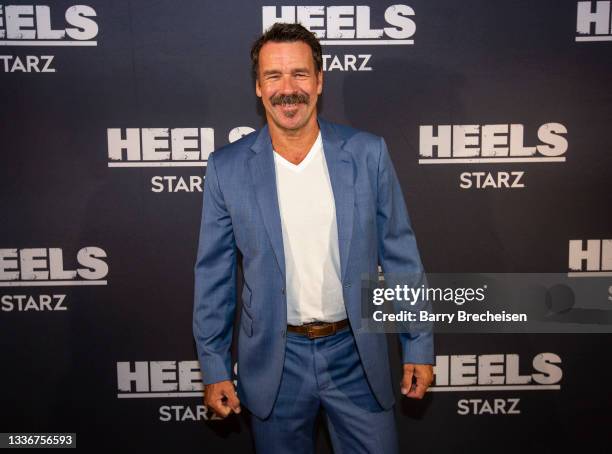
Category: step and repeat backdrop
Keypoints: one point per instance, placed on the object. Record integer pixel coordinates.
(497, 116)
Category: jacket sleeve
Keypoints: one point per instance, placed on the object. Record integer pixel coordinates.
(215, 283)
(398, 253)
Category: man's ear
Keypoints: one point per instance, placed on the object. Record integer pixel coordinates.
(257, 88)
(320, 82)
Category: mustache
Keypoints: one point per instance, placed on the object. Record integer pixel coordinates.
(295, 98)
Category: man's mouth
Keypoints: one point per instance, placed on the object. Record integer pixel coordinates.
(288, 110)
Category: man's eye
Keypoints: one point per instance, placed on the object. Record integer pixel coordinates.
(301, 75)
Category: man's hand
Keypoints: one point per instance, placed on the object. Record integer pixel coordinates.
(221, 398)
(423, 374)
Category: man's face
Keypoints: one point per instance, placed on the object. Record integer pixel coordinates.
(288, 84)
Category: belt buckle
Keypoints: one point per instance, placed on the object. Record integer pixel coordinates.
(310, 332)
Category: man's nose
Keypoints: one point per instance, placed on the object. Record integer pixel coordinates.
(288, 84)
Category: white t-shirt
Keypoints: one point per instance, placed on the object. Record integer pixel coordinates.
(310, 238)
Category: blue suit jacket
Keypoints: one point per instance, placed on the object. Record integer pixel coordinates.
(240, 211)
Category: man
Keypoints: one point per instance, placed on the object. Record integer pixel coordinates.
(311, 206)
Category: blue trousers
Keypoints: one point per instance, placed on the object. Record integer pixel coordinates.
(325, 372)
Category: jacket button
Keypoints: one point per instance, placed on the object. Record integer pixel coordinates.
(283, 332)
(283, 290)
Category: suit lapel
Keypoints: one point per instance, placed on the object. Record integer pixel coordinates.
(263, 175)
(340, 168)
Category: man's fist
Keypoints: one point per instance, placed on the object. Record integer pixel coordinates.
(221, 397)
(423, 374)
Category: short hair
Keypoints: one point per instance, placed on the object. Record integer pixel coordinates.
(286, 33)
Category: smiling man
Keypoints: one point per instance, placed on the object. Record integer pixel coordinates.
(311, 206)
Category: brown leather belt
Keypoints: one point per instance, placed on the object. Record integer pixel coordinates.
(318, 329)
